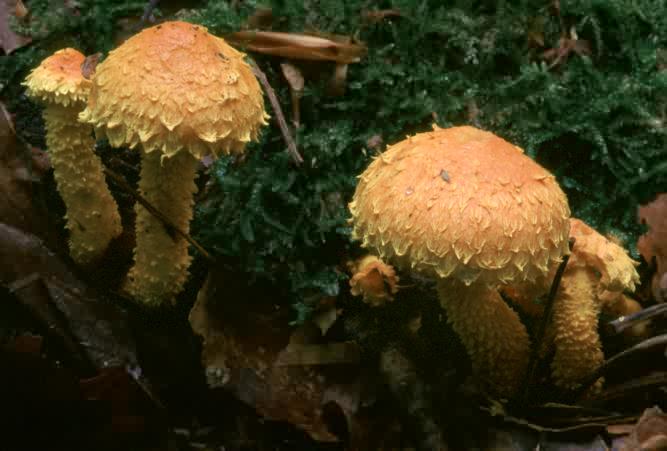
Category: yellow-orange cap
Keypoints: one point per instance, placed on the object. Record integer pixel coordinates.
(58, 79)
(374, 280)
(591, 249)
(462, 202)
(174, 86)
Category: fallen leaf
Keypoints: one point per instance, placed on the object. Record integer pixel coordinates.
(241, 350)
(9, 40)
(94, 330)
(297, 46)
(45, 396)
(90, 64)
(650, 432)
(19, 168)
(653, 244)
(21, 11)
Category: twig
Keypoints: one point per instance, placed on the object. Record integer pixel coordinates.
(630, 389)
(280, 117)
(646, 345)
(170, 226)
(624, 322)
(546, 319)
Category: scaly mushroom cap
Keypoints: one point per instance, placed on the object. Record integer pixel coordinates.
(58, 79)
(616, 268)
(174, 86)
(461, 202)
(374, 280)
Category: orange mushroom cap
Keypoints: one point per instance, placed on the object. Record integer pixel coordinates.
(461, 202)
(58, 79)
(616, 268)
(176, 87)
(374, 280)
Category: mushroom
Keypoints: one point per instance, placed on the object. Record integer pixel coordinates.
(92, 213)
(180, 94)
(470, 209)
(374, 280)
(598, 273)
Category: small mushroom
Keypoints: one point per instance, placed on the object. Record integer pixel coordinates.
(180, 94)
(496, 218)
(92, 213)
(598, 273)
(374, 280)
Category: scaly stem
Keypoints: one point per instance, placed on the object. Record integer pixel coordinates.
(492, 333)
(161, 259)
(92, 213)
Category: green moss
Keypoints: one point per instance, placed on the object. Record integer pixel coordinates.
(597, 120)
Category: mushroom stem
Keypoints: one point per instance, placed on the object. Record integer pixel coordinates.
(492, 333)
(575, 325)
(161, 259)
(92, 213)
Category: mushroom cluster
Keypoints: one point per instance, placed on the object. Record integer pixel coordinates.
(179, 94)
(92, 214)
(471, 210)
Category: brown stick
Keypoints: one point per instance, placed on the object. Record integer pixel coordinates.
(655, 342)
(171, 228)
(280, 117)
(624, 322)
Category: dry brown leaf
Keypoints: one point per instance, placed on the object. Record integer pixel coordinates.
(653, 244)
(21, 11)
(297, 46)
(242, 344)
(90, 329)
(649, 434)
(17, 174)
(90, 64)
(9, 40)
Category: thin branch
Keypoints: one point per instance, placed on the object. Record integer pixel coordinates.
(280, 117)
(624, 322)
(546, 319)
(168, 224)
(656, 342)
